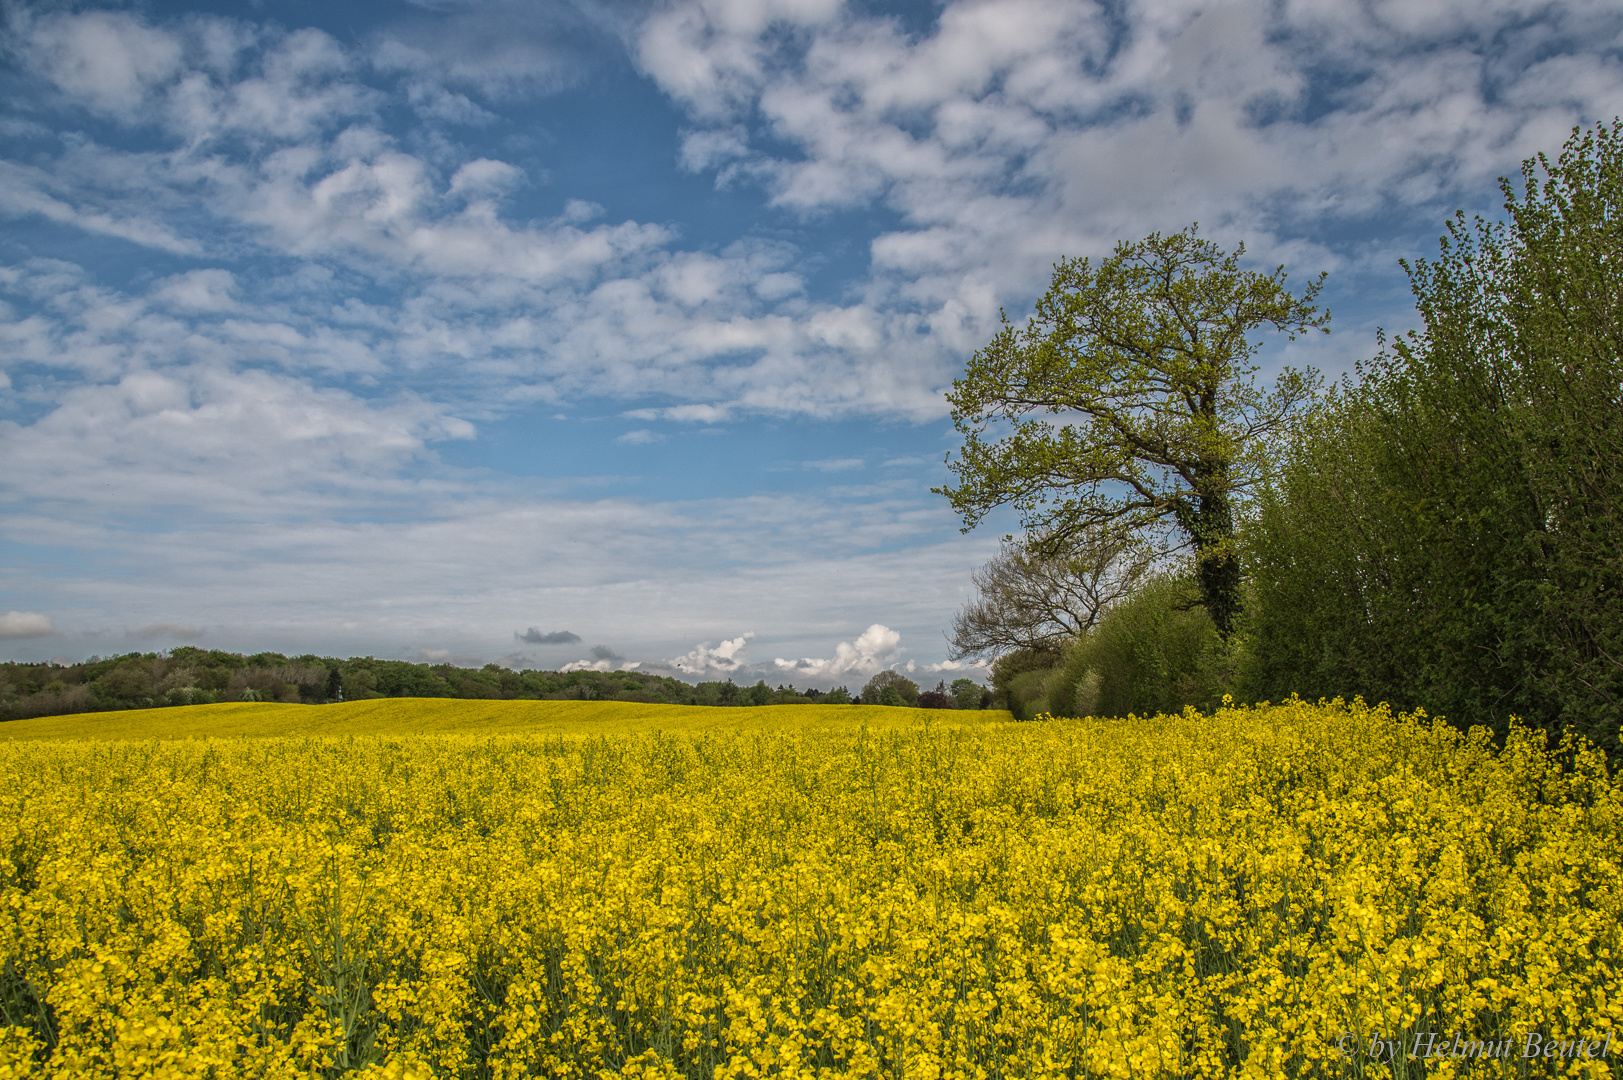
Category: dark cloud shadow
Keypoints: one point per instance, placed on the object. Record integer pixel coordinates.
(532, 636)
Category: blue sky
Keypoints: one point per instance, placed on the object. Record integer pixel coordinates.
(404, 329)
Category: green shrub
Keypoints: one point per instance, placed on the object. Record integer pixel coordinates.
(1020, 681)
(1156, 652)
(1028, 695)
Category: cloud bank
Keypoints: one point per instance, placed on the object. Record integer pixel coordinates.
(273, 296)
(25, 624)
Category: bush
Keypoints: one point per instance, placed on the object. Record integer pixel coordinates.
(1448, 533)
(1028, 693)
(938, 698)
(1020, 681)
(1155, 653)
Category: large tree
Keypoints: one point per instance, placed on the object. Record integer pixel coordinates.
(1128, 404)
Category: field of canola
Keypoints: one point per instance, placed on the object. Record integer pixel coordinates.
(803, 894)
(453, 716)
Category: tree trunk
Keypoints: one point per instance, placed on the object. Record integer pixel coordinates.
(1210, 524)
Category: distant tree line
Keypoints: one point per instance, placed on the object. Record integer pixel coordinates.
(193, 676)
(1443, 530)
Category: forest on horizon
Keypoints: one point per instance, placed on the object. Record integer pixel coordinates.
(193, 676)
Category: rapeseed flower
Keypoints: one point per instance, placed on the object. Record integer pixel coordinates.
(1238, 894)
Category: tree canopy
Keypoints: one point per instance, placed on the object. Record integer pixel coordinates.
(193, 676)
(1449, 531)
(1131, 402)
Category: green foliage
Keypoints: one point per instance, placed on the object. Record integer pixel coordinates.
(1155, 653)
(1020, 681)
(906, 691)
(1027, 694)
(1448, 533)
(1148, 361)
(192, 676)
(967, 692)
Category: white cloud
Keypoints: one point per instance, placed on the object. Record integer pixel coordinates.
(109, 60)
(204, 77)
(25, 192)
(499, 50)
(1015, 131)
(25, 624)
(1006, 134)
(703, 414)
(872, 651)
(483, 176)
(433, 102)
(712, 148)
(197, 291)
(968, 667)
(724, 659)
(711, 54)
(603, 659)
(200, 437)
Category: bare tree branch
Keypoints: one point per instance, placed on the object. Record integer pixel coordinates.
(1039, 591)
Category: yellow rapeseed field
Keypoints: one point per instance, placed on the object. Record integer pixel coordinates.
(1285, 891)
(450, 716)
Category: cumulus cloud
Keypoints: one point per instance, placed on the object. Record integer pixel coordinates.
(619, 311)
(25, 624)
(873, 650)
(1014, 131)
(194, 437)
(724, 659)
(360, 196)
(203, 78)
(556, 637)
(603, 659)
(110, 60)
(967, 667)
(995, 138)
(197, 291)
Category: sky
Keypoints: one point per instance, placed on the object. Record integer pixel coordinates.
(594, 333)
